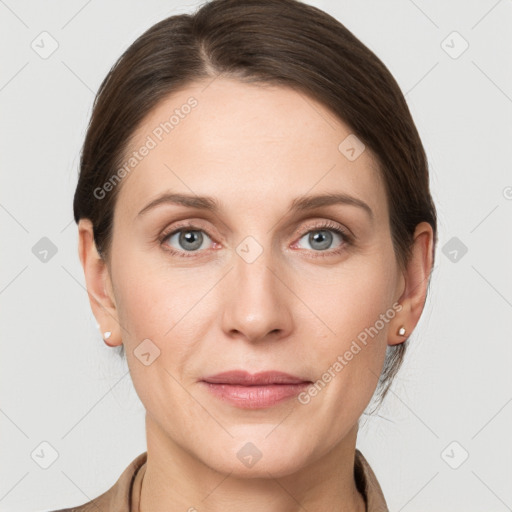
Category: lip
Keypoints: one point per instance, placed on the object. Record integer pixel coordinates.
(254, 391)
(243, 378)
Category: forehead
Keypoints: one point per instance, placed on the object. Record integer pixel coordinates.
(244, 142)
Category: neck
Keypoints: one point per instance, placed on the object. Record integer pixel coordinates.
(176, 480)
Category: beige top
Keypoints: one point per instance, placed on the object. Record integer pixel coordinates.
(124, 495)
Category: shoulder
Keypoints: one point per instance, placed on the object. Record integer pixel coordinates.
(118, 497)
(368, 484)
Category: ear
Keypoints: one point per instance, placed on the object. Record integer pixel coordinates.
(415, 281)
(99, 285)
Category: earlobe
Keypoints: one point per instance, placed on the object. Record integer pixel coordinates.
(416, 278)
(98, 284)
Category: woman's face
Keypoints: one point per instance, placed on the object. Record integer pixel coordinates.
(263, 282)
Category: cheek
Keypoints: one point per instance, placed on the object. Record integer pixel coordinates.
(350, 298)
(149, 296)
(355, 307)
(164, 305)
(156, 305)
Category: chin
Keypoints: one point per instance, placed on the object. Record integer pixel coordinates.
(260, 451)
(276, 465)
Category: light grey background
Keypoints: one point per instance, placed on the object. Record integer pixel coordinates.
(63, 386)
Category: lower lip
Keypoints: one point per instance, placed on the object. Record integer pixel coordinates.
(255, 397)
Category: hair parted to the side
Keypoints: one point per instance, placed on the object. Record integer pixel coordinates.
(280, 42)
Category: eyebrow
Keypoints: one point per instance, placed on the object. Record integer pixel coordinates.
(299, 204)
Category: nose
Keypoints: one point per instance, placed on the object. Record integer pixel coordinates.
(257, 303)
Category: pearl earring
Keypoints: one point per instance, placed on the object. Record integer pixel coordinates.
(107, 334)
(401, 331)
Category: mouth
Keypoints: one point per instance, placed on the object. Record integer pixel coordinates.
(258, 391)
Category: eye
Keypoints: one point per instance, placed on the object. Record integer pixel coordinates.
(185, 239)
(320, 238)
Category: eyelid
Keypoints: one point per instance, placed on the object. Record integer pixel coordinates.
(326, 224)
(196, 225)
(191, 225)
(315, 224)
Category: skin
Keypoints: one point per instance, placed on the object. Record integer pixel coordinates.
(255, 149)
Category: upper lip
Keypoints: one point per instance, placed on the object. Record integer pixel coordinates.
(244, 378)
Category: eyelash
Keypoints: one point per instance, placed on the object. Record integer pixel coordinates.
(329, 226)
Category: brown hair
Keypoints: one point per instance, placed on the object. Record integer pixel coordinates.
(281, 42)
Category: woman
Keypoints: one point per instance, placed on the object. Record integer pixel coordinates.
(257, 236)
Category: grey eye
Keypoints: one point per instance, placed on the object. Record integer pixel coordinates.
(320, 239)
(188, 239)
